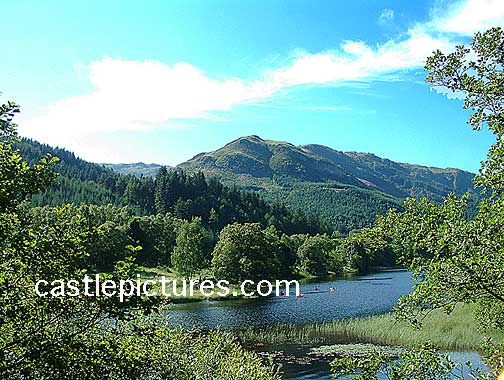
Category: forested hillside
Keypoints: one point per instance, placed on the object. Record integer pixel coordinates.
(171, 191)
(79, 181)
(347, 188)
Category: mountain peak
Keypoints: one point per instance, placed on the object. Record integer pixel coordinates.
(262, 160)
(347, 188)
(250, 138)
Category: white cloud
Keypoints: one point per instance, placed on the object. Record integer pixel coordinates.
(133, 95)
(141, 95)
(358, 61)
(136, 96)
(470, 16)
(386, 16)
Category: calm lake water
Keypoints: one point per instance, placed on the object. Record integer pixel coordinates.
(354, 297)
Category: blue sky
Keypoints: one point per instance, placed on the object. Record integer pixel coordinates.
(121, 81)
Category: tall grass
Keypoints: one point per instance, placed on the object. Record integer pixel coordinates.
(457, 331)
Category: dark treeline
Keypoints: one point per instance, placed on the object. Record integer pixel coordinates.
(187, 196)
(171, 191)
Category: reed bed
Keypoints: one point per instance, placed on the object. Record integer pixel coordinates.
(457, 331)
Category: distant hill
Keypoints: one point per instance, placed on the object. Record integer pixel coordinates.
(347, 188)
(174, 191)
(137, 169)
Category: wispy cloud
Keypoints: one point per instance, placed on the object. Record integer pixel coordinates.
(469, 16)
(386, 16)
(138, 96)
(142, 95)
(356, 60)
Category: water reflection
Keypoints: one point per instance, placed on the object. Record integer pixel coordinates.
(358, 296)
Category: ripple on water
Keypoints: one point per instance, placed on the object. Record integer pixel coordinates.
(360, 296)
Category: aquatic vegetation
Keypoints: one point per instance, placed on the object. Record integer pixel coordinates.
(457, 331)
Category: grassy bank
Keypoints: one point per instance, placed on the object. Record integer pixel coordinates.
(457, 331)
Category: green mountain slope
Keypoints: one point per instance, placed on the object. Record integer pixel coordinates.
(79, 181)
(347, 188)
